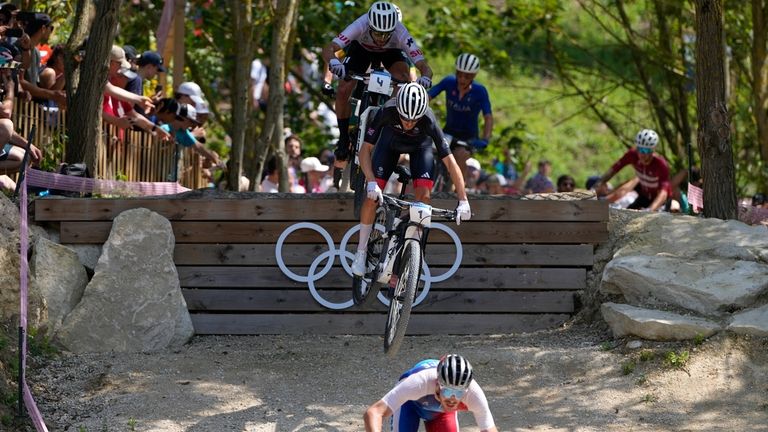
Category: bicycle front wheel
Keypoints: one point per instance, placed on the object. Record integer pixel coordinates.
(402, 299)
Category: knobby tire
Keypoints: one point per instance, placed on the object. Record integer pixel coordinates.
(402, 299)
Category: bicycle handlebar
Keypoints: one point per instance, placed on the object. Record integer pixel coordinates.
(403, 204)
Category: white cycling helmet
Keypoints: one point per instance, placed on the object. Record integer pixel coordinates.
(412, 101)
(454, 371)
(468, 63)
(399, 12)
(383, 16)
(646, 139)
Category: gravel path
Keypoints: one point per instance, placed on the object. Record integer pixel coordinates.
(560, 380)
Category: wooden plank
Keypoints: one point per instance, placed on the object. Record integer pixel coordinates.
(269, 232)
(265, 207)
(435, 302)
(337, 278)
(361, 324)
(438, 254)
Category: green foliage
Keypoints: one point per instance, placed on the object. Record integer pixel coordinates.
(676, 360)
(649, 398)
(132, 424)
(646, 355)
(628, 367)
(699, 339)
(641, 379)
(39, 345)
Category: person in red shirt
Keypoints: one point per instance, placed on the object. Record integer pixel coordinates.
(652, 171)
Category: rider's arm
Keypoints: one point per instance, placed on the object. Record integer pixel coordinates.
(487, 126)
(329, 52)
(424, 68)
(660, 200)
(456, 176)
(365, 161)
(374, 416)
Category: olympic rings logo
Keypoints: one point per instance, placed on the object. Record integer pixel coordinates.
(347, 257)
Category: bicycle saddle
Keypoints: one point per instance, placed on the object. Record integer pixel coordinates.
(403, 174)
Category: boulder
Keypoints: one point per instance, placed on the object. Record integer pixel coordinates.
(710, 287)
(59, 278)
(655, 325)
(133, 302)
(751, 322)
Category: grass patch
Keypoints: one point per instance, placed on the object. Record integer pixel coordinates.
(646, 355)
(628, 367)
(649, 398)
(677, 360)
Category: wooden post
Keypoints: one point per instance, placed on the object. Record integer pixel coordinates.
(178, 43)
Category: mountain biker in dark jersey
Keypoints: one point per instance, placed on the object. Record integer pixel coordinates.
(406, 125)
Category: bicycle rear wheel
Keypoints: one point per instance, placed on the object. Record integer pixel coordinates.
(402, 299)
(365, 289)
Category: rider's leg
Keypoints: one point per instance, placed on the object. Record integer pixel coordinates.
(406, 418)
(343, 112)
(367, 217)
(461, 154)
(422, 166)
(400, 71)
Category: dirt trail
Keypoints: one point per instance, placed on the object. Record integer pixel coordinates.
(560, 380)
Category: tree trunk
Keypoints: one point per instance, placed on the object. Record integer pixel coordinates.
(272, 133)
(760, 79)
(84, 94)
(714, 140)
(243, 31)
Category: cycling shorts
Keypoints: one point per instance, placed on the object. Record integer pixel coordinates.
(359, 59)
(410, 414)
(387, 153)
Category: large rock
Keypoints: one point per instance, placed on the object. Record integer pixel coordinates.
(60, 279)
(752, 322)
(655, 325)
(688, 236)
(710, 287)
(133, 303)
(10, 269)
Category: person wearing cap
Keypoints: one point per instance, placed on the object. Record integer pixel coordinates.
(121, 113)
(131, 55)
(316, 175)
(652, 171)
(148, 65)
(177, 119)
(191, 93)
(38, 29)
(12, 145)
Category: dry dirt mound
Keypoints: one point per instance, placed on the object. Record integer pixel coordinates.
(574, 379)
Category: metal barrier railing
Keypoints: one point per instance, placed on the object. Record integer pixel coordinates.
(121, 154)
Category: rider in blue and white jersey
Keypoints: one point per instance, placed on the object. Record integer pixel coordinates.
(465, 99)
(377, 37)
(434, 392)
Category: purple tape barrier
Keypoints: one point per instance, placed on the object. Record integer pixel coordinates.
(87, 185)
(29, 401)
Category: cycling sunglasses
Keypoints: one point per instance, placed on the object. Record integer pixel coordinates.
(380, 35)
(447, 393)
(644, 150)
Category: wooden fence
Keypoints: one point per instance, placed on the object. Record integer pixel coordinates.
(127, 155)
(521, 264)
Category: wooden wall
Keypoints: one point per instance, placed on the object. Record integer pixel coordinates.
(522, 263)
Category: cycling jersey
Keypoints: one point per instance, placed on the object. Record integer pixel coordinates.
(461, 113)
(653, 177)
(401, 39)
(413, 399)
(390, 139)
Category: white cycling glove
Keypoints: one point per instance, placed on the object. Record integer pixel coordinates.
(337, 68)
(374, 191)
(425, 82)
(463, 212)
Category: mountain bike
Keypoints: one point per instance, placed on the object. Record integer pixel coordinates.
(395, 253)
(374, 89)
(442, 177)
